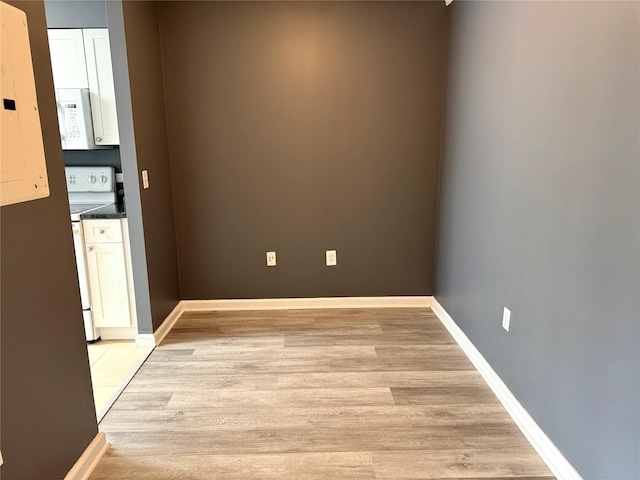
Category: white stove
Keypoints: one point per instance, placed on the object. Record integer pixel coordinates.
(90, 188)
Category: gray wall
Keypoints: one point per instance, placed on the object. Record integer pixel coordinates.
(301, 127)
(152, 154)
(540, 210)
(48, 417)
(76, 13)
(129, 158)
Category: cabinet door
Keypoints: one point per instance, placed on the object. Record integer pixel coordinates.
(68, 58)
(101, 89)
(108, 284)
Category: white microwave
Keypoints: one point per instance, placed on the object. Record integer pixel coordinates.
(74, 119)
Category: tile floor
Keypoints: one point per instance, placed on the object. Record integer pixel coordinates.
(113, 364)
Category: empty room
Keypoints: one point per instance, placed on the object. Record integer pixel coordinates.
(383, 240)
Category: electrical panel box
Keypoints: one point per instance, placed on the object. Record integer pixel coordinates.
(23, 170)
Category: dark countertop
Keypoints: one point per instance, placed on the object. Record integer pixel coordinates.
(107, 212)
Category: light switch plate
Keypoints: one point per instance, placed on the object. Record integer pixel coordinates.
(331, 258)
(506, 319)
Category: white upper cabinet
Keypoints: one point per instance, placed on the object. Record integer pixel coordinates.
(81, 58)
(68, 59)
(103, 95)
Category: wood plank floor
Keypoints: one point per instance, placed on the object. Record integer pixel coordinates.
(376, 394)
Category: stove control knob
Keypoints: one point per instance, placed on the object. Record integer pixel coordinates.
(92, 179)
(103, 179)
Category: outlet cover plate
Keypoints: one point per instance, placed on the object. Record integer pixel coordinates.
(271, 259)
(331, 258)
(506, 319)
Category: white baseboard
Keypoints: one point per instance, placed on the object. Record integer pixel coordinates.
(169, 322)
(145, 340)
(549, 453)
(118, 333)
(306, 303)
(87, 462)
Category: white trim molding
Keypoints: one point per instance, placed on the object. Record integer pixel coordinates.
(306, 303)
(542, 444)
(145, 340)
(164, 329)
(87, 462)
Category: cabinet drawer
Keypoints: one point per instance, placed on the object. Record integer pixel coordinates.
(102, 231)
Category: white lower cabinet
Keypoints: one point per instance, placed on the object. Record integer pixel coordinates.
(108, 285)
(109, 270)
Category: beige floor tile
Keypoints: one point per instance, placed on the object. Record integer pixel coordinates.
(112, 372)
(96, 350)
(102, 395)
(115, 364)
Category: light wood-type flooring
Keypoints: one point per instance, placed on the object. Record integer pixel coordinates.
(375, 394)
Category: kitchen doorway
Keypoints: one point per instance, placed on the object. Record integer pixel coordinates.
(79, 42)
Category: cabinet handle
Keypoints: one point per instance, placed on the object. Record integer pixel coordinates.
(102, 231)
(90, 249)
(98, 139)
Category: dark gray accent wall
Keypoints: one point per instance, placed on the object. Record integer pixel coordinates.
(540, 212)
(76, 13)
(152, 153)
(302, 127)
(48, 416)
(136, 58)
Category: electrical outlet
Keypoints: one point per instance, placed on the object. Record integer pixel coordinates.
(271, 259)
(331, 258)
(506, 319)
(145, 179)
